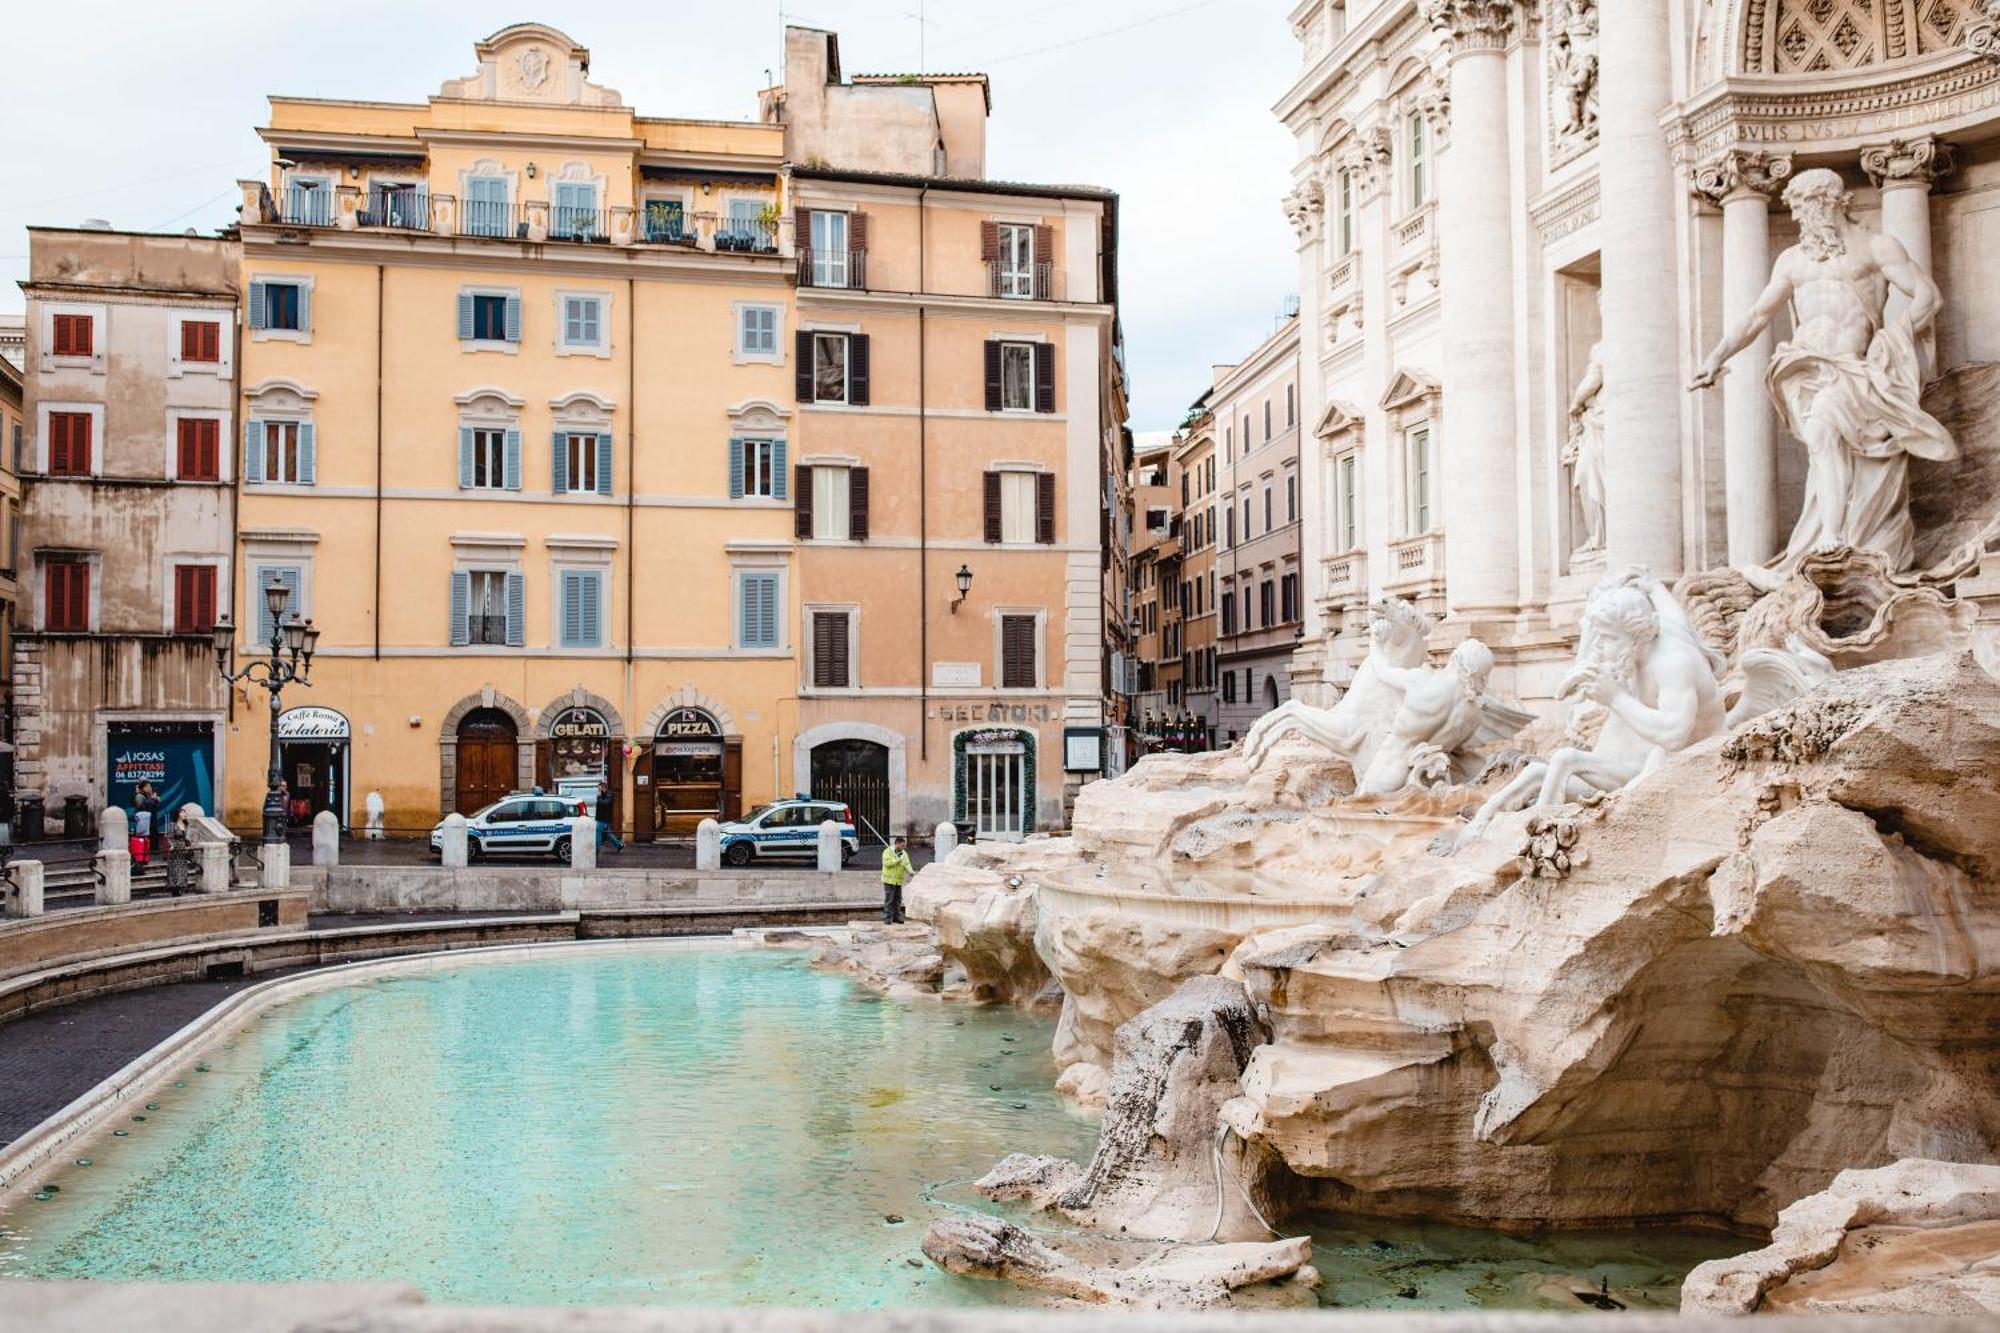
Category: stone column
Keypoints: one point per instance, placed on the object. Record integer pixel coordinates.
(26, 899)
(1743, 183)
(1644, 374)
(452, 844)
(274, 860)
(708, 845)
(1476, 311)
(114, 877)
(1903, 170)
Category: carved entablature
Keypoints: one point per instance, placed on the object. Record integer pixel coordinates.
(531, 62)
(1907, 161)
(1366, 154)
(1738, 170)
(1982, 30)
(1564, 212)
(1474, 25)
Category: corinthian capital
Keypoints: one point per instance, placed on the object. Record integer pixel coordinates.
(1906, 161)
(1473, 25)
(1982, 33)
(1740, 170)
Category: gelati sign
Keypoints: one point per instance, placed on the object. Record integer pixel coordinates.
(689, 724)
(579, 723)
(311, 722)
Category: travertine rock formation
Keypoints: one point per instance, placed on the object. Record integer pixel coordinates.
(1917, 1237)
(981, 900)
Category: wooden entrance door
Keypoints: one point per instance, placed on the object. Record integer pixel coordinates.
(488, 755)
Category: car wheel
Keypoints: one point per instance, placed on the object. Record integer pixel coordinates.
(474, 850)
(846, 855)
(562, 850)
(737, 854)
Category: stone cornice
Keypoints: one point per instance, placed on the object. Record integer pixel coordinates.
(1737, 171)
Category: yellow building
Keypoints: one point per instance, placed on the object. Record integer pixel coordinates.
(510, 355)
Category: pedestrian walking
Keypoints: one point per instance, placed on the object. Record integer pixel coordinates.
(896, 872)
(606, 835)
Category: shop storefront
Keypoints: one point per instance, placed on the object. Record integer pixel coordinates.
(312, 750)
(688, 772)
(580, 748)
(178, 758)
(994, 781)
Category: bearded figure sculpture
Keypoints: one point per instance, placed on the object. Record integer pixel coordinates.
(1640, 660)
(1847, 384)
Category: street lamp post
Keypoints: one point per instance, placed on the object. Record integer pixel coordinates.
(292, 644)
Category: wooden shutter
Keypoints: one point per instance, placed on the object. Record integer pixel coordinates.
(857, 252)
(200, 449)
(194, 599)
(73, 335)
(1045, 377)
(830, 661)
(201, 340)
(780, 478)
(1044, 260)
(510, 459)
(992, 375)
(259, 306)
(466, 326)
(857, 369)
(66, 602)
(572, 610)
(465, 469)
(802, 365)
(989, 241)
(517, 610)
(643, 801)
(802, 503)
(1045, 507)
(1017, 652)
(308, 465)
(253, 450)
(802, 243)
(732, 780)
(993, 530)
(69, 444)
(461, 607)
(513, 319)
(857, 504)
(603, 463)
(736, 447)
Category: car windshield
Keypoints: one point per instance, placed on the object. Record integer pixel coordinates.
(481, 814)
(756, 813)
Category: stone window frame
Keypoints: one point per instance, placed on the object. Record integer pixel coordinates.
(1414, 399)
(808, 659)
(999, 659)
(582, 553)
(95, 411)
(226, 443)
(600, 349)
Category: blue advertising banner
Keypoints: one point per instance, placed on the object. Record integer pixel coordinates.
(178, 758)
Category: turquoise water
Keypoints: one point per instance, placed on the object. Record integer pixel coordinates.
(678, 1126)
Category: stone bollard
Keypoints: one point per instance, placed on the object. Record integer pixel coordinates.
(114, 877)
(326, 838)
(944, 840)
(114, 830)
(214, 867)
(829, 845)
(274, 860)
(451, 842)
(373, 831)
(708, 845)
(25, 897)
(583, 843)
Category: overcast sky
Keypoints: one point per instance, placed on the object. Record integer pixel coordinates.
(1165, 101)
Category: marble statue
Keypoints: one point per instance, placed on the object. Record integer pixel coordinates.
(1847, 384)
(1640, 659)
(1585, 452)
(1573, 61)
(1355, 726)
(1443, 711)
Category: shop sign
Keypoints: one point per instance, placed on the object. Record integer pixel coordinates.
(684, 747)
(994, 712)
(689, 724)
(579, 723)
(1083, 749)
(310, 722)
(954, 675)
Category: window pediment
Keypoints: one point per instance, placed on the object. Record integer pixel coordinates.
(272, 396)
(1339, 418)
(583, 406)
(489, 401)
(1408, 388)
(757, 416)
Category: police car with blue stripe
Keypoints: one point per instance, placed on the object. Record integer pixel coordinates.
(525, 823)
(787, 829)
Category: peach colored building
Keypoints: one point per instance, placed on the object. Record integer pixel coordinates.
(1201, 509)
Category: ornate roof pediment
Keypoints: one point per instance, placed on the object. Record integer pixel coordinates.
(531, 62)
(1408, 386)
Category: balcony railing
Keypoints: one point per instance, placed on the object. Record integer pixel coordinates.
(1032, 283)
(749, 236)
(670, 227)
(306, 208)
(589, 225)
(837, 268)
(401, 210)
(1416, 563)
(480, 217)
(1346, 578)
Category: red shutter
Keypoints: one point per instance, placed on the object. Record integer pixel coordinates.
(194, 599)
(73, 335)
(857, 504)
(857, 250)
(993, 506)
(201, 340)
(989, 241)
(802, 502)
(857, 369)
(200, 440)
(69, 444)
(1045, 507)
(66, 603)
(802, 365)
(992, 375)
(1045, 377)
(1045, 260)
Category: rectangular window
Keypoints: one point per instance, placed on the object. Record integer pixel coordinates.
(1348, 505)
(757, 331)
(1419, 440)
(198, 449)
(489, 318)
(201, 340)
(582, 321)
(283, 306)
(1017, 506)
(1291, 497)
(1017, 377)
(828, 232)
(1291, 406)
(1288, 596)
(1017, 260)
(829, 364)
(69, 444)
(489, 459)
(757, 610)
(1268, 524)
(66, 605)
(1419, 165)
(1343, 233)
(580, 460)
(1017, 652)
(486, 607)
(1267, 603)
(1229, 529)
(289, 577)
(582, 593)
(486, 206)
(761, 469)
(1228, 613)
(1267, 421)
(831, 668)
(574, 216)
(832, 510)
(282, 461)
(73, 335)
(194, 599)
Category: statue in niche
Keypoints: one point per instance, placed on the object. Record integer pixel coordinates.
(1847, 384)
(1585, 451)
(1388, 738)
(1640, 660)
(1573, 62)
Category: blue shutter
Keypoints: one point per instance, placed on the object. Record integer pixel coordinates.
(465, 326)
(259, 307)
(307, 472)
(572, 610)
(603, 464)
(767, 606)
(513, 460)
(517, 611)
(746, 610)
(590, 628)
(735, 469)
(558, 464)
(305, 307)
(760, 610)
(781, 476)
(253, 454)
(513, 319)
(461, 607)
(465, 457)
(262, 577)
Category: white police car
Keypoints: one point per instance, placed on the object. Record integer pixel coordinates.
(522, 824)
(787, 829)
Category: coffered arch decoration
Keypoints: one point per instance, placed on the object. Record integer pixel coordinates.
(1827, 36)
(579, 697)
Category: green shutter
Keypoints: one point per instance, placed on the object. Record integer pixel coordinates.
(307, 463)
(591, 618)
(572, 610)
(513, 319)
(465, 324)
(780, 475)
(305, 307)
(517, 614)
(259, 307)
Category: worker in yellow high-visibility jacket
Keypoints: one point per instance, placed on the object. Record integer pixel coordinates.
(896, 872)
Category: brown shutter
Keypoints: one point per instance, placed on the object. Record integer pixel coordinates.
(732, 780)
(989, 241)
(857, 369)
(802, 365)
(1045, 377)
(992, 505)
(857, 250)
(831, 669)
(802, 243)
(644, 800)
(992, 375)
(1017, 652)
(1045, 260)
(802, 502)
(544, 765)
(1045, 507)
(857, 504)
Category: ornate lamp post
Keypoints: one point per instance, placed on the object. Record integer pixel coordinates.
(292, 644)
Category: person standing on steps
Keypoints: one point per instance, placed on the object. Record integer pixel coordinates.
(896, 871)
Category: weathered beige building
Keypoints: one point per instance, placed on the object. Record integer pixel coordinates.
(128, 514)
(13, 437)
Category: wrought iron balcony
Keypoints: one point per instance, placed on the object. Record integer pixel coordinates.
(756, 236)
(1029, 282)
(833, 268)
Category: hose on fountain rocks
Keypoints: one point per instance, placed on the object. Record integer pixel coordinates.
(1215, 1156)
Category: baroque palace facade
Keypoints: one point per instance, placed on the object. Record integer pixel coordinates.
(599, 443)
(1507, 282)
